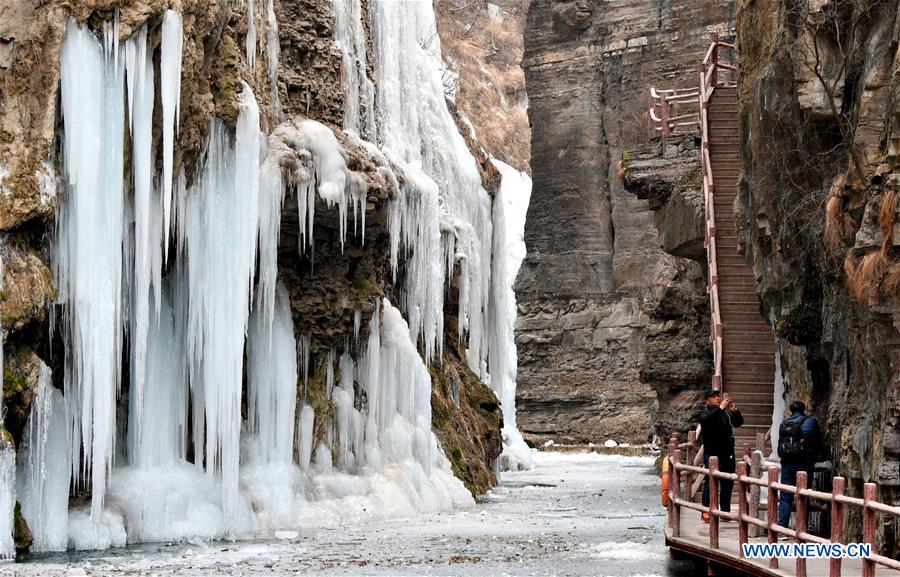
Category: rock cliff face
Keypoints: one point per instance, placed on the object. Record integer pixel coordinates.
(325, 289)
(599, 302)
(820, 122)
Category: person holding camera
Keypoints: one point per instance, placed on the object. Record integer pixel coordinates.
(718, 420)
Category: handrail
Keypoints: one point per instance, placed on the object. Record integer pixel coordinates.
(748, 518)
(708, 82)
(666, 121)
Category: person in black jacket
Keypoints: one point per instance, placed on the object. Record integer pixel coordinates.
(717, 422)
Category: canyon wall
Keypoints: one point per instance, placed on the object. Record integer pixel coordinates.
(601, 305)
(820, 125)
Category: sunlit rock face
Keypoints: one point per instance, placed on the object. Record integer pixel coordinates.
(594, 258)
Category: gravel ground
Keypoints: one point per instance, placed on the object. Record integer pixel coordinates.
(574, 514)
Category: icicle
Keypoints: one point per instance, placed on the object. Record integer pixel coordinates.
(305, 438)
(329, 372)
(272, 50)
(89, 247)
(359, 91)
(357, 323)
(44, 469)
(139, 69)
(303, 357)
(170, 95)
(251, 35)
(271, 198)
(272, 382)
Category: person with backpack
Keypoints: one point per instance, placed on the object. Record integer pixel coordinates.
(717, 422)
(798, 446)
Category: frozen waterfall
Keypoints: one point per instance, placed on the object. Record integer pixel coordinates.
(223, 430)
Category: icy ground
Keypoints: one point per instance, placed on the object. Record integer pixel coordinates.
(574, 514)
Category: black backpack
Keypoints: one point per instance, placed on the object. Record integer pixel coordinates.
(791, 445)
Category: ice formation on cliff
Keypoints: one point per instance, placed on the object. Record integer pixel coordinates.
(214, 473)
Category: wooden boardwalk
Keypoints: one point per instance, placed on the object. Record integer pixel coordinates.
(694, 541)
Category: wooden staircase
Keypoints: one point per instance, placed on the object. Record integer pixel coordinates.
(748, 345)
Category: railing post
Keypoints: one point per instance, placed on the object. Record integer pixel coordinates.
(713, 502)
(664, 120)
(772, 513)
(800, 499)
(743, 534)
(673, 478)
(870, 520)
(714, 61)
(838, 486)
(689, 459)
(676, 494)
(702, 70)
(755, 469)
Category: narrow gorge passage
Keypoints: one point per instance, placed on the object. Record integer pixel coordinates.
(571, 514)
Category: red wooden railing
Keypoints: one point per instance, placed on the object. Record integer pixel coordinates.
(709, 80)
(748, 516)
(666, 121)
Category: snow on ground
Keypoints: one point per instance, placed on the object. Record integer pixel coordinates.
(573, 514)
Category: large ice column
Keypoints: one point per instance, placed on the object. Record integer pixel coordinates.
(268, 474)
(44, 468)
(139, 70)
(157, 434)
(416, 127)
(7, 499)
(220, 232)
(7, 469)
(359, 90)
(170, 96)
(510, 206)
(89, 245)
(272, 382)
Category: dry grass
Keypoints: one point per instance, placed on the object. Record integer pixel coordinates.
(886, 220)
(838, 225)
(835, 223)
(890, 286)
(486, 54)
(865, 277)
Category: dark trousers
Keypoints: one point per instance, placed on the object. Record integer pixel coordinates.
(785, 499)
(726, 465)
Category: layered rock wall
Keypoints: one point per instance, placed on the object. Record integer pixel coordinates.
(594, 290)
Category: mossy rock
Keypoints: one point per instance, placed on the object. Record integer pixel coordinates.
(226, 81)
(801, 326)
(21, 532)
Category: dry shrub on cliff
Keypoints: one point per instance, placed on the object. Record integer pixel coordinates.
(483, 42)
(834, 221)
(886, 220)
(890, 286)
(865, 277)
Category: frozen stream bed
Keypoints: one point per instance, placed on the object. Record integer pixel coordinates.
(574, 514)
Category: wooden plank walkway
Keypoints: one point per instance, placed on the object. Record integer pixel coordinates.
(694, 540)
